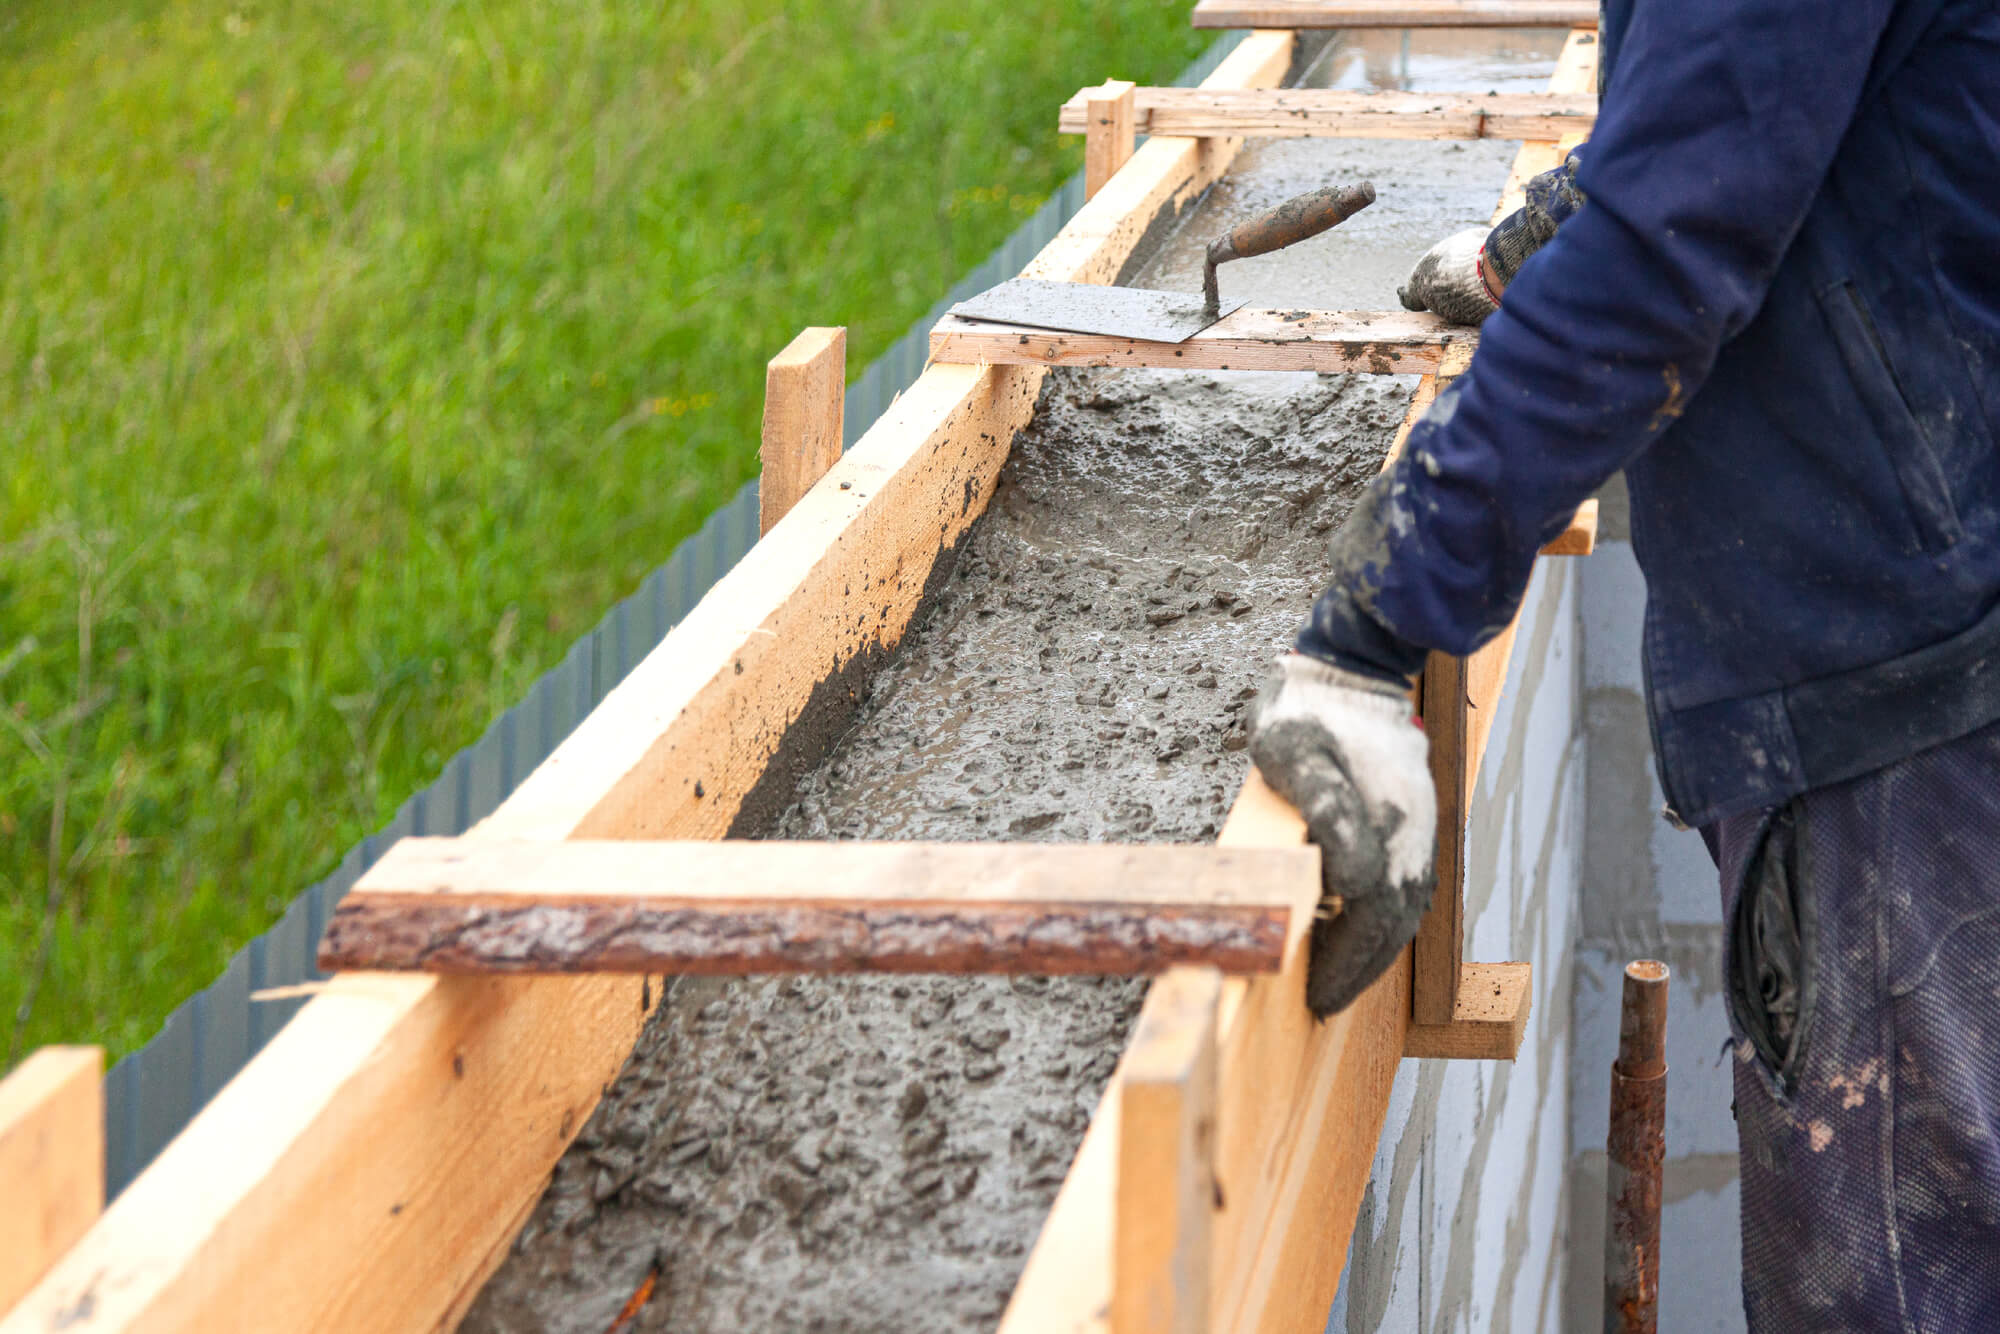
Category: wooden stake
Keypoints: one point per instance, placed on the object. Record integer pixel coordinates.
(51, 1161)
(805, 398)
(1440, 939)
(1109, 136)
(1166, 1160)
(475, 905)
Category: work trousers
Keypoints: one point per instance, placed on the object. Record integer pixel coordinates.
(1863, 975)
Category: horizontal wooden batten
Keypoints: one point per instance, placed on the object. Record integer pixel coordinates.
(1327, 113)
(508, 906)
(1395, 14)
(1380, 342)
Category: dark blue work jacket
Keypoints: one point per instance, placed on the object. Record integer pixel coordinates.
(1779, 313)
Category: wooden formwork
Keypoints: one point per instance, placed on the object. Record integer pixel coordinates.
(369, 1168)
(1395, 14)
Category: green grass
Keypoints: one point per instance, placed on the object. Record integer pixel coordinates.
(356, 356)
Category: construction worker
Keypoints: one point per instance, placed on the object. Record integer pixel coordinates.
(1768, 290)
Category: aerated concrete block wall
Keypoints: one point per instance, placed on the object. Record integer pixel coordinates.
(1485, 1211)
(1464, 1224)
(1650, 891)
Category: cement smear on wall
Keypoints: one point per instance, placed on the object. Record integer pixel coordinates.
(878, 1153)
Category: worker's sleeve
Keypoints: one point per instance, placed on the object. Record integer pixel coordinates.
(1719, 124)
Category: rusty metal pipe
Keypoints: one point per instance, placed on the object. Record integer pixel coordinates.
(1637, 1150)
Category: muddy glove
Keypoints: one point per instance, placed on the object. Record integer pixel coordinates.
(1462, 278)
(1448, 282)
(1345, 748)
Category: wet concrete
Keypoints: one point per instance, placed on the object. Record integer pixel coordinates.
(878, 1153)
(1425, 190)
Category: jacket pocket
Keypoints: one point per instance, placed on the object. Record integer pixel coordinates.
(1903, 438)
(1768, 967)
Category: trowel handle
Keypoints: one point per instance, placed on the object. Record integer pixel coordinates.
(1290, 222)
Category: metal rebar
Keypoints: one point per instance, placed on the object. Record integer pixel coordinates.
(1636, 1154)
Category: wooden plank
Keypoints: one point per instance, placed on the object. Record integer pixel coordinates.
(1166, 1160)
(1438, 950)
(731, 908)
(370, 1166)
(1328, 113)
(1381, 342)
(1395, 14)
(1106, 119)
(51, 1160)
(1580, 538)
(1299, 1106)
(1288, 1281)
(805, 400)
(1490, 1021)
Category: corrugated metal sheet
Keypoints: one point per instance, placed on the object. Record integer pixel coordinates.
(151, 1094)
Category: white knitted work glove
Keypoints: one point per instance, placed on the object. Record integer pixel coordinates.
(1348, 752)
(1448, 282)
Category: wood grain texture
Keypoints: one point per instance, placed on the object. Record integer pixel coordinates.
(1580, 538)
(732, 908)
(1300, 1104)
(1327, 113)
(366, 1171)
(1490, 1021)
(51, 1161)
(1381, 342)
(805, 403)
(1106, 117)
(1395, 14)
(1438, 950)
(1166, 1160)
(1278, 1266)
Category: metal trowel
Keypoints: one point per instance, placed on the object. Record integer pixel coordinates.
(1165, 317)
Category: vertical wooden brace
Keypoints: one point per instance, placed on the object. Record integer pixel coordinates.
(1163, 1232)
(1110, 132)
(805, 394)
(1440, 943)
(51, 1161)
